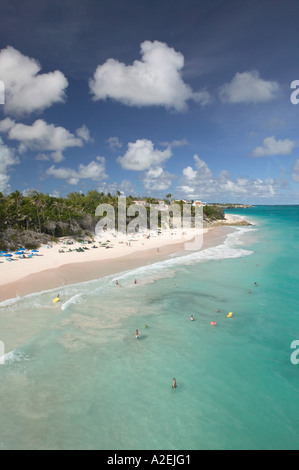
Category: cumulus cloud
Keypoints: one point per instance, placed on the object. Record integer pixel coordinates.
(248, 87)
(155, 80)
(274, 147)
(202, 184)
(7, 160)
(156, 179)
(202, 171)
(95, 171)
(42, 137)
(26, 89)
(141, 155)
(189, 173)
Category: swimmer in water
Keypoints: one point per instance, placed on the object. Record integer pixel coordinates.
(192, 318)
(137, 334)
(135, 282)
(256, 284)
(218, 311)
(249, 292)
(174, 385)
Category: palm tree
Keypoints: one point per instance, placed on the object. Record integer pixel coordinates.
(15, 202)
(58, 204)
(39, 203)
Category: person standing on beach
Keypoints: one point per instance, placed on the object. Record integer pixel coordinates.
(137, 334)
(174, 385)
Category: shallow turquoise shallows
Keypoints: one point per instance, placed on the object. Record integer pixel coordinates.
(75, 376)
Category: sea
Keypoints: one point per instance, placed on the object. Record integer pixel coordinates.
(76, 377)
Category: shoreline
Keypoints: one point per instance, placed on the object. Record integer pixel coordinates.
(52, 270)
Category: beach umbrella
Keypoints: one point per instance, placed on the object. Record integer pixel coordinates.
(19, 252)
(34, 251)
(8, 255)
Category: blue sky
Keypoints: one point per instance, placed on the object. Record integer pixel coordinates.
(151, 97)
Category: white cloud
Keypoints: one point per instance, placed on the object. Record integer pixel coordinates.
(114, 143)
(248, 87)
(7, 160)
(41, 136)
(125, 187)
(274, 147)
(186, 190)
(26, 90)
(189, 173)
(156, 179)
(84, 133)
(141, 155)
(202, 184)
(6, 125)
(202, 171)
(295, 173)
(155, 80)
(95, 171)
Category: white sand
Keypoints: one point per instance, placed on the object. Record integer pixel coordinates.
(51, 258)
(50, 268)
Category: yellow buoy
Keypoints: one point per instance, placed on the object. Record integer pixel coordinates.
(56, 300)
(230, 315)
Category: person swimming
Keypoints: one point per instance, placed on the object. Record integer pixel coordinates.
(137, 334)
(174, 385)
(192, 318)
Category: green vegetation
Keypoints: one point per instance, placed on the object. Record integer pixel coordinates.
(37, 218)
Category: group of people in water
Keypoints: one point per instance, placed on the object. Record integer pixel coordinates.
(119, 285)
(213, 323)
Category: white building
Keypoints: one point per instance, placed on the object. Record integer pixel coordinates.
(199, 204)
(140, 203)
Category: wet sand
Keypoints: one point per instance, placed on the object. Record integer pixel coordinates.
(83, 271)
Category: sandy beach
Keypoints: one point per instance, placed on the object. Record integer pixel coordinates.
(61, 264)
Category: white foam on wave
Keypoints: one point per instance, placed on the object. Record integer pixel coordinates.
(76, 299)
(15, 356)
(152, 272)
(228, 250)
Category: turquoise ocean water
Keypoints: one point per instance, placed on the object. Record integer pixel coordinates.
(75, 377)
